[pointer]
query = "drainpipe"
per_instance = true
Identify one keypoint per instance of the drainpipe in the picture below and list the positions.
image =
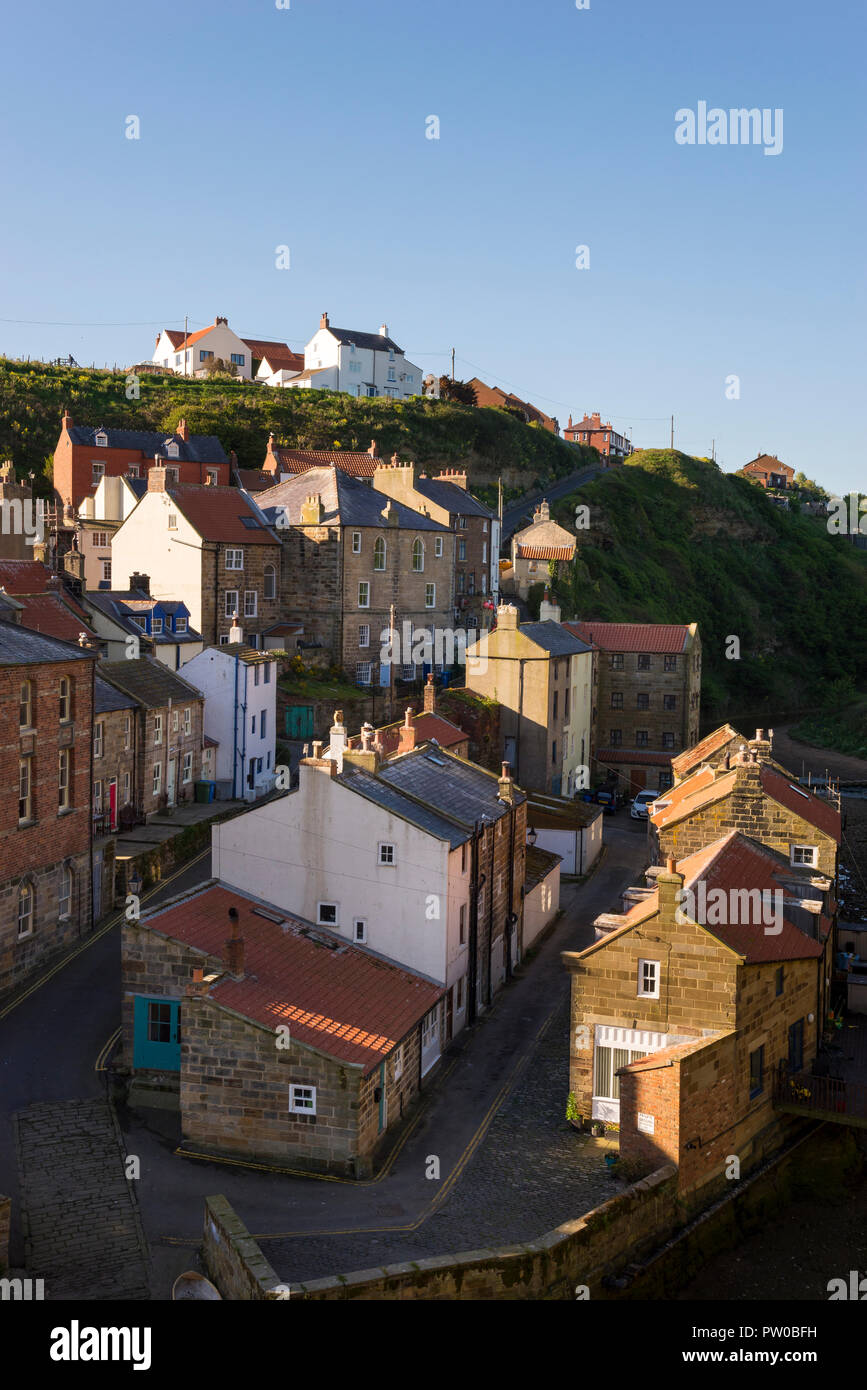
(235, 737)
(472, 973)
(511, 908)
(243, 726)
(89, 811)
(491, 916)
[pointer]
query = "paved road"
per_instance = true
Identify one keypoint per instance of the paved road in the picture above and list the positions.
(520, 511)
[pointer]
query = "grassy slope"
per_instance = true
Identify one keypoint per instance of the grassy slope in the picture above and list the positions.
(690, 543)
(438, 433)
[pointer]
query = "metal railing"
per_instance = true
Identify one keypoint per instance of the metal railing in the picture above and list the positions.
(826, 1095)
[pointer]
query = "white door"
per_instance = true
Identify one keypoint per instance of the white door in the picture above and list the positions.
(170, 783)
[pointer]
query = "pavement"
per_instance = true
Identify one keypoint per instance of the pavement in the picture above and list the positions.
(509, 1166)
(521, 510)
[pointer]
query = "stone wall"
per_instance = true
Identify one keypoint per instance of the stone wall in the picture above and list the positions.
(480, 719)
(232, 1258)
(5, 1225)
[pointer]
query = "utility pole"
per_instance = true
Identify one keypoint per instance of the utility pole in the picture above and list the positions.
(185, 345)
(453, 364)
(713, 450)
(672, 434)
(391, 663)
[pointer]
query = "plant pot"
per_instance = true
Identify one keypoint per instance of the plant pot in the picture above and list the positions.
(597, 1130)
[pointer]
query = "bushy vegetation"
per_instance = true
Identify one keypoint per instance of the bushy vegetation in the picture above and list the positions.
(242, 414)
(673, 539)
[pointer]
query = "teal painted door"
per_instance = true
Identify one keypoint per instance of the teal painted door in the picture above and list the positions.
(383, 1102)
(299, 721)
(157, 1034)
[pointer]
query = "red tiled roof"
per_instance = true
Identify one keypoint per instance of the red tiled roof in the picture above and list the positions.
(50, 614)
(426, 725)
(24, 576)
(216, 513)
(175, 336)
(194, 337)
(766, 463)
(343, 1001)
(545, 552)
(254, 479)
(633, 637)
(705, 748)
(699, 780)
(693, 794)
(812, 808)
(301, 460)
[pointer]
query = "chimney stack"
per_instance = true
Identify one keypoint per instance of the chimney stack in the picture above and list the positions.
(157, 476)
(373, 451)
(548, 612)
(669, 884)
(406, 742)
(236, 632)
(507, 616)
(367, 756)
(430, 695)
(337, 739)
(234, 948)
(66, 422)
(323, 322)
(182, 431)
(505, 785)
(312, 510)
(142, 582)
(383, 330)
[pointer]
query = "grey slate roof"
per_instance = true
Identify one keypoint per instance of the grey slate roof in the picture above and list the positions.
(199, 448)
(457, 499)
(553, 637)
(390, 799)
(363, 340)
(21, 646)
(107, 698)
(448, 784)
(152, 683)
(111, 601)
(348, 501)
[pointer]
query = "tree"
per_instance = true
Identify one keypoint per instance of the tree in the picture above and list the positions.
(460, 391)
(216, 366)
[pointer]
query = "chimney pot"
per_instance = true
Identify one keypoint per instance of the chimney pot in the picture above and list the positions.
(670, 865)
(317, 748)
(430, 695)
(323, 322)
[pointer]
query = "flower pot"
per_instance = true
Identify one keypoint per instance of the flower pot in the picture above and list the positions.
(597, 1129)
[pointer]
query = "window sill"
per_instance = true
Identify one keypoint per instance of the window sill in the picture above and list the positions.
(66, 810)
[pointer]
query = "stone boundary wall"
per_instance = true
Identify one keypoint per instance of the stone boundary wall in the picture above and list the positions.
(232, 1258)
(5, 1225)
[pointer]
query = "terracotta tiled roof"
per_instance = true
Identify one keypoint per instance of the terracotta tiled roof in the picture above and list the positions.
(24, 576)
(700, 779)
(49, 613)
(175, 336)
(812, 808)
(693, 794)
(697, 792)
(426, 725)
(633, 637)
(254, 479)
(216, 513)
(705, 748)
(336, 997)
(358, 465)
(766, 463)
(545, 552)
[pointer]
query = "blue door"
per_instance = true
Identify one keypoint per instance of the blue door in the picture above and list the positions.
(157, 1034)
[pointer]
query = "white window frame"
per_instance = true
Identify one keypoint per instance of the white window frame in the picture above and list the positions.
(386, 855)
(99, 738)
(319, 918)
(302, 1099)
(359, 937)
(97, 798)
(363, 673)
(460, 995)
(188, 722)
(25, 891)
(430, 595)
(364, 634)
(251, 610)
(356, 542)
(230, 608)
(417, 554)
(364, 584)
(158, 730)
(64, 777)
(269, 582)
(64, 893)
(188, 768)
(438, 547)
(397, 1071)
(157, 627)
(157, 779)
(643, 976)
(234, 559)
(172, 521)
(797, 853)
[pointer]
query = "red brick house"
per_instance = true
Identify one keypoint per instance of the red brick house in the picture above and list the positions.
(600, 435)
(769, 471)
(85, 454)
(280, 459)
(504, 400)
(46, 698)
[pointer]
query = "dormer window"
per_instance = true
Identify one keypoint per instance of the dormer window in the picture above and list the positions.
(102, 439)
(171, 449)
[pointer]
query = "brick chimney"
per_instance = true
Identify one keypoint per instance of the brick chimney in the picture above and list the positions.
(366, 757)
(142, 582)
(430, 695)
(323, 322)
(761, 746)
(456, 476)
(198, 986)
(406, 742)
(372, 450)
(507, 617)
(234, 948)
(390, 514)
(505, 785)
(312, 510)
(157, 478)
(182, 431)
(66, 422)
(337, 737)
(669, 883)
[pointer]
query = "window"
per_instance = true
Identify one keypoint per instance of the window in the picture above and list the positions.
(460, 995)
(270, 582)
(106, 571)
(224, 639)
(617, 699)
(125, 797)
(25, 790)
(362, 673)
(140, 622)
(642, 701)
(554, 753)
(484, 582)
(648, 978)
(234, 559)
(231, 597)
(804, 854)
(97, 798)
(462, 582)
(669, 663)
(430, 1028)
(364, 635)
(238, 358)
(462, 925)
(407, 671)
(669, 702)
(173, 474)
(615, 738)
(250, 602)
(266, 673)
(188, 767)
(438, 547)
(418, 556)
(359, 930)
(64, 893)
(172, 521)
(641, 738)
(25, 705)
(65, 699)
(204, 355)
(464, 858)
(615, 661)
(158, 730)
(213, 476)
(379, 554)
(100, 540)
(127, 731)
(471, 582)
(157, 778)
(356, 542)
(554, 709)
(462, 549)
(398, 1063)
(188, 722)
(263, 724)
(63, 779)
(256, 675)
(462, 522)
(156, 626)
(668, 740)
(387, 854)
(391, 374)
(363, 594)
(643, 661)
(327, 915)
(98, 740)
(97, 473)
(430, 595)
(778, 981)
(25, 910)
(302, 1100)
(253, 725)
(757, 1072)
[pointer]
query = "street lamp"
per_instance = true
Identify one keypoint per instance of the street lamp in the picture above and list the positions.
(532, 836)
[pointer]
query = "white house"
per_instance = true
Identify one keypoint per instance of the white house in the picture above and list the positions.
(99, 516)
(361, 364)
(385, 853)
(189, 355)
(240, 689)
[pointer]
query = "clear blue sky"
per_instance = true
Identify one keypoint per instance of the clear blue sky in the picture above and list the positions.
(306, 126)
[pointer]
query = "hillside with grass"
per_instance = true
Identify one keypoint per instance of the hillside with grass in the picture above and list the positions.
(440, 434)
(673, 539)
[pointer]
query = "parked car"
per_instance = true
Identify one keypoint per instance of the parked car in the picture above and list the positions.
(609, 800)
(638, 810)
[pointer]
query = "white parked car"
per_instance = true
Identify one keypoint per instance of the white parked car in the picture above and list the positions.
(638, 810)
